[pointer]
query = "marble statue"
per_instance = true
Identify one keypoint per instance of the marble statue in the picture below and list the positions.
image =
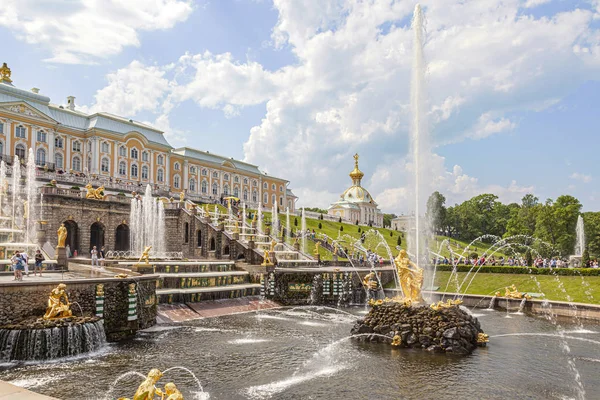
(62, 235)
(57, 309)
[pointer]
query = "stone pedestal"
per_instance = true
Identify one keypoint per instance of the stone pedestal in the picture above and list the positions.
(236, 236)
(61, 257)
(251, 245)
(296, 246)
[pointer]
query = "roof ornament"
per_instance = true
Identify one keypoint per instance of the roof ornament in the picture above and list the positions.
(5, 74)
(356, 174)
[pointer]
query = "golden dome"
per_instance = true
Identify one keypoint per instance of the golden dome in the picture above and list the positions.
(356, 173)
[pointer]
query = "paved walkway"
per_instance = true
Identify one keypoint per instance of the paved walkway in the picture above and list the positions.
(168, 313)
(12, 392)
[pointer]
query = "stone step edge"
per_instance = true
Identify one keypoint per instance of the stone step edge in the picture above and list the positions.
(202, 274)
(228, 288)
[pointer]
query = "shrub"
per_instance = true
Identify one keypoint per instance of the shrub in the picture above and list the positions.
(340, 220)
(359, 229)
(121, 194)
(320, 226)
(391, 234)
(523, 270)
(341, 228)
(529, 257)
(473, 255)
(75, 188)
(399, 241)
(585, 258)
(356, 223)
(296, 221)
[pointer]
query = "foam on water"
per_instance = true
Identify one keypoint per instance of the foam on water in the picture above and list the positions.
(248, 341)
(267, 316)
(312, 323)
(29, 383)
(268, 390)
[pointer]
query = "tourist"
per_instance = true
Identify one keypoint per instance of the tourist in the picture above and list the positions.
(15, 259)
(102, 256)
(94, 256)
(25, 258)
(68, 251)
(38, 262)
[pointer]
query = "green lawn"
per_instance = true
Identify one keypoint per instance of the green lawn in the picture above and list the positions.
(487, 284)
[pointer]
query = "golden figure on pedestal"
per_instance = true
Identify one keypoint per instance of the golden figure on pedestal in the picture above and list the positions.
(57, 309)
(145, 255)
(267, 259)
(512, 293)
(95, 194)
(273, 244)
(62, 236)
(5, 74)
(411, 277)
(317, 245)
(370, 281)
(181, 196)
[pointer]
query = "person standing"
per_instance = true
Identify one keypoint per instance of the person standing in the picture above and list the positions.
(25, 258)
(38, 262)
(102, 255)
(94, 256)
(15, 260)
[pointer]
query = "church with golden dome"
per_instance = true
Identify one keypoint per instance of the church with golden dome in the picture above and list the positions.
(356, 203)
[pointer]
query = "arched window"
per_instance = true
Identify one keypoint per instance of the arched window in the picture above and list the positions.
(104, 165)
(122, 168)
(273, 199)
(281, 200)
(236, 179)
(41, 136)
(204, 172)
(273, 186)
(193, 170)
(123, 151)
(216, 175)
(226, 190)
(1, 147)
(160, 175)
(76, 164)
(20, 132)
(176, 167)
(254, 196)
(58, 161)
(144, 172)
(134, 153)
(160, 159)
(76, 146)
(245, 181)
(215, 188)
(254, 183)
(265, 198)
(134, 171)
(176, 181)
(280, 188)
(40, 157)
(265, 185)
(236, 191)
(58, 142)
(89, 163)
(245, 194)
(144, 156)
(226, 177)
(204, 187)
(192, 185)
(20, 151)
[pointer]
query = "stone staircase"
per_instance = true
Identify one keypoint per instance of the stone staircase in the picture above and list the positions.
(190, 282)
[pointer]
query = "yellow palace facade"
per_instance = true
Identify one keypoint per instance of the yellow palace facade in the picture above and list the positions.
(124, 155)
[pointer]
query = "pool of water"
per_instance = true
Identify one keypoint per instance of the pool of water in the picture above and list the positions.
(302, 354)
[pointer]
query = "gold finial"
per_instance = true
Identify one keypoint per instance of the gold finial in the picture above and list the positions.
(5, 74)
(356, 174)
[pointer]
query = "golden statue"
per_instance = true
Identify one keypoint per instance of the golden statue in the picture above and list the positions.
(267, 259)
(62, 236)
(56, 309)
(181, 196)
(236, 229)
(411, 277)
(145, 255)
(317, 245)
(448, 304)
(90, 191)
(99, 193)
(396, 340)
(482, 339)
(512, 293)
(147, 389)
(5, 74)
(172, 392)
(273, 244)
(370, 281)
(335, 249)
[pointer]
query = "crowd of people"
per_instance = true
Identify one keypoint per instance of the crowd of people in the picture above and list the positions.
(20, 264)
(539, 262)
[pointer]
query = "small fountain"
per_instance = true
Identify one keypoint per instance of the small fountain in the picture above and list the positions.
(259, 226)
(575, 259)
(288, 228)
(304, 233)
(147, 216)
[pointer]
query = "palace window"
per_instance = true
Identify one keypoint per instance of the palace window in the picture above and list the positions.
(236, 179)
(76, 146)
(245, 181)
(145, 172)
(89, 163)
(122, 168)
(245, 194)
(204, 172)
(134, 171)
(40, 157)
(273, 187)
(280, 188)
(216, 175)
(236, 192)
(160, 159)
(160, 175)
(254, 183)
(1, 147)
(134, 153)
(192, 185)
(20, 132)
(76, 164)
(265, 198)
(176, 167)
(265, 185)
(58, 161)
(176, 181)
(273, 200)
(89, 145)
(105, 147)
(226, 190)
(20, 151)
(104, 165)
(226, 177)
(1, 128)
(145, 156)
(280, 200)
(254, 196)
(123, 151)
(58, 142)
(41, 136)
(215, 188)
(193, 170)
(204, 187)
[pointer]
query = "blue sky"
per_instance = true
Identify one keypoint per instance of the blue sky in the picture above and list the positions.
(299, 86)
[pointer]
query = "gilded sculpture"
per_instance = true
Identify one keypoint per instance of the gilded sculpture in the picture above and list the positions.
(5, 74)
(181, 196)
(370, 281)
(145, 255)
(95, 194)
(56, 308)
(411, 277)
(267, 259)
(273, 244)
(147, 389)
(62, 236)
(512, 293)
(448, 304)
(317, 245)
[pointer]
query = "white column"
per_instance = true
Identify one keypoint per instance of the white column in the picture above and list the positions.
(168, 171)
(68, 145)
(186, 173)
(8, 132)
(210, 193)
(221, 179)
(95, 155)
(115, 159)
(51, 146)
(151, 176)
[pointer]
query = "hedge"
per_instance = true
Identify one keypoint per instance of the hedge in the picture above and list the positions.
(490, 269)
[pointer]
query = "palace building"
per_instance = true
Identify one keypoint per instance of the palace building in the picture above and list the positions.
(73, 147)
(356, 203)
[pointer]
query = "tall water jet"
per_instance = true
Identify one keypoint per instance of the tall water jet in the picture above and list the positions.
(303, 226)
(288, 229)
(259, 218)
(147, 218)
(16, 189)
(243, 220)
(31, 193)
(419, 136)
(3, 184)
(579, 237)
(274, 221)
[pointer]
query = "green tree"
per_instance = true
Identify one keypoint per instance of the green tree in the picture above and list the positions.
(387, 220)
(316, 210)
(523, 217)
(528, 258)
(341, 228)
(591, 221)
(585, 258)
(320, 226)
(295, 221)
(399, 241)
(556, 221)
(436, 212)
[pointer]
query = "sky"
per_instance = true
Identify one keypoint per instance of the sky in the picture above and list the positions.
(299, 86)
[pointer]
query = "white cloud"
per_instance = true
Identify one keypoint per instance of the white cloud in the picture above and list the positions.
(83, 31)
(576, 176)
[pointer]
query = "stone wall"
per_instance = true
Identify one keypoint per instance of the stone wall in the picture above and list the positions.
(25, 300)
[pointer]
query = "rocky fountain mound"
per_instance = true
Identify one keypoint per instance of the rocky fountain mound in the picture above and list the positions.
(441, 328)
